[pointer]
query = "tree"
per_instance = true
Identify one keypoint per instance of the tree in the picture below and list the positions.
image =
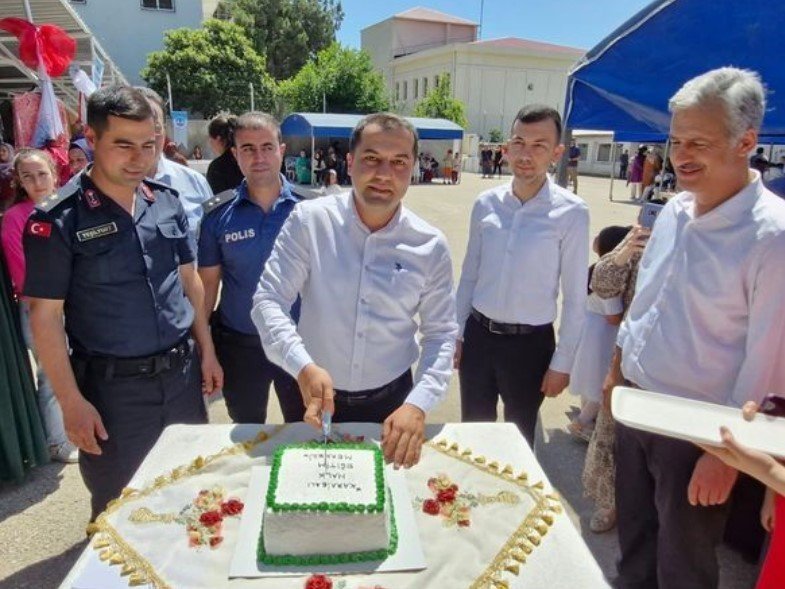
(344, 78)
(211, 70)
(287, 32)
(439, 104)
(495, 135)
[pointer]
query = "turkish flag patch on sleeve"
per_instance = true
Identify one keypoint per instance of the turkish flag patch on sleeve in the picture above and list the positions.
(39, 228)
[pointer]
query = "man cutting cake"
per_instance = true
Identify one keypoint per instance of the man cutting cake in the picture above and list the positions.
(370, 274)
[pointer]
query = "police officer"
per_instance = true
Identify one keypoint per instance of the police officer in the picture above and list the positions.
(112, 254)
(235, 240)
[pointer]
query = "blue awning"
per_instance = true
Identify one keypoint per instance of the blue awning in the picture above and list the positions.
(624, 83)
(339, 126)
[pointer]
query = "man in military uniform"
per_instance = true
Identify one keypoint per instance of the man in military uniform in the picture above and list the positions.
(112, 255)
(237, 235)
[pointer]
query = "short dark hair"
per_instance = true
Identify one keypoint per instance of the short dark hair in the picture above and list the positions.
(116, 101)
(222, 127)
(387, 121)
(257, 120)
(535, 113)
(151, 94)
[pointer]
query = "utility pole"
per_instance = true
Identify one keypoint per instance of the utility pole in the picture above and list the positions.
(324, 102)
(251, 85)
(169, 90)
(482, 12)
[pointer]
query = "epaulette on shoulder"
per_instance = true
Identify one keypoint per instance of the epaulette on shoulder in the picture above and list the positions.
(218, 200)
(160, 186)
(50, 202)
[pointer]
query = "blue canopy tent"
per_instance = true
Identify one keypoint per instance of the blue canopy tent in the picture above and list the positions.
(339, 126)
(624, 83)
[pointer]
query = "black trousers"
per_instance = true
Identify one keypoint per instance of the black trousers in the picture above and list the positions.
(512, 366)
(373, 405)
(665, 542)
(247, 378)
(134, 410)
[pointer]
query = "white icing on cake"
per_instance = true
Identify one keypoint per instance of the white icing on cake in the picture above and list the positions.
(349, 477)
(345, 476)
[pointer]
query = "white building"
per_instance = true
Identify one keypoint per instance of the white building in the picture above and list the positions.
(130, 29)
(494, 78)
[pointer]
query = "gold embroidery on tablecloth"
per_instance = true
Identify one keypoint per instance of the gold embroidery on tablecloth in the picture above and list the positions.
(528, 535)
(114, 550)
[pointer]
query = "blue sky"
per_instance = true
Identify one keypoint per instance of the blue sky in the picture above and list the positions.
(576, 23)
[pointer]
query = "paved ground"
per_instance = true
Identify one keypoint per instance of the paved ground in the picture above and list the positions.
(42, 521)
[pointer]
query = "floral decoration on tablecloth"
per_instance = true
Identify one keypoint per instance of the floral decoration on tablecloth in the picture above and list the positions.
(529, 533)
(202, 518)
(454, 505)
(325, 582)
(114, 550)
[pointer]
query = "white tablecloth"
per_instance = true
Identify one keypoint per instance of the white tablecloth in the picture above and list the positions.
(561, 561)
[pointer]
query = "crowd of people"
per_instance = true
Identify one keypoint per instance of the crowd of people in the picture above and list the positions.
(119, 275)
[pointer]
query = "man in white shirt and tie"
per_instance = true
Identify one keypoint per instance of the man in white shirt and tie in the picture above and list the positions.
(371, 274)
(526, 237)
(706, 323)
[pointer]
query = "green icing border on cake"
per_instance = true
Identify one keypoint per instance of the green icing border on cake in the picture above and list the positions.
(341, 507)
(330, 559)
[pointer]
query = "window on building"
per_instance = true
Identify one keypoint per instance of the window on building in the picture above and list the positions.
(416, 88)
(405, 90)
(584, 147)
(604, 152)
(397, 91)
(425, 86)
(158, 4)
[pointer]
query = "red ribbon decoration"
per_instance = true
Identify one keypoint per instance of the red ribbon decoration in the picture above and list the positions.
(57, 48)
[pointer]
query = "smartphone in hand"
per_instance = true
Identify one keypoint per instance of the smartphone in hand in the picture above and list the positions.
(649, 214)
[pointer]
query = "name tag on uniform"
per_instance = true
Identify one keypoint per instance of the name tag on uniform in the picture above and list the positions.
(96, 232)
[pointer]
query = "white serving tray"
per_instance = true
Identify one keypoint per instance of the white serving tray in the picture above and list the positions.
(696, 421)
(408, 557)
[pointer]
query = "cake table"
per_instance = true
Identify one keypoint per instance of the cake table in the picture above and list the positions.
(486, 514)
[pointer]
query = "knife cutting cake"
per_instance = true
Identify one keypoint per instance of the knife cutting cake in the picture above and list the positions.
(327, 504)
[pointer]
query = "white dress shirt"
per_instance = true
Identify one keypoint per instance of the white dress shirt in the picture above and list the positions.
(191, 187)
(361, 292)
(517, 255)
(708, 318)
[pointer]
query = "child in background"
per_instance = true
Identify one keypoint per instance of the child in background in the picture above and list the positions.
(35, 178)
(598, 338)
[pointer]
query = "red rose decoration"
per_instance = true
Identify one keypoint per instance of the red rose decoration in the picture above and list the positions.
(210, 518)
(232, 507)
(446, 495)
(215, 541)
(431, 507)
(319, 582)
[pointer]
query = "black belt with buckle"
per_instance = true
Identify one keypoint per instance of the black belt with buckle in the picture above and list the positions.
(141, 366)
(370, 396)
(498, 328)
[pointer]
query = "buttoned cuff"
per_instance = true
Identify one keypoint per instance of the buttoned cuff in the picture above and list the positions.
(297, 359)
(561, 362)
(422, 399)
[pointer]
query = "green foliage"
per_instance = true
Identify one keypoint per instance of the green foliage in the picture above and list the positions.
(345, 77)
(495, 135)
(439, 104)
(211, 70)
(287, 32)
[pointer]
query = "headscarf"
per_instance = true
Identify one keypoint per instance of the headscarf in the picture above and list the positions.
(82, 144)
(4, 166)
